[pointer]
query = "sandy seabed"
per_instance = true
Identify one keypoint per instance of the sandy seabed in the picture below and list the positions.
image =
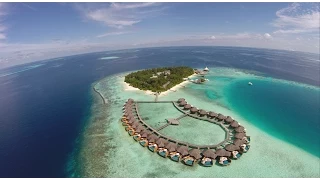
(108, 151)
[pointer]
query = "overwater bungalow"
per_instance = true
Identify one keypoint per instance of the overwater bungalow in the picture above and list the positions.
(130, 121)
(182, 103)
(247, 139)
(223, 157)
(131, 128)
(137, 133)
(221, 117)
(193, 110)
(244, 148)
(228, 120)
(239, 129)
(183, 151)
(127, 107)
(234, 124)
(212, 114)
(194, 156)
(240, 135)
(143, 138)
(152, 146)
(162, 150)
(238, 142)
(187, 107)
(181, 99)
(134, 129)
(130, 100)
(235, 150)
(172, 151)
(202, 112)
(208, 157)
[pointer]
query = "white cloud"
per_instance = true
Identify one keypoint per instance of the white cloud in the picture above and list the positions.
(119, 15)
(132, 5)
(267, 36)
(213, 37)
(2, 36)
(113, 33)
(3, 12)
(298, 18)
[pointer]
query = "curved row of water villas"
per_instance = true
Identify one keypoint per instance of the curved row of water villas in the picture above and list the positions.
(233, 124)
(182, 153)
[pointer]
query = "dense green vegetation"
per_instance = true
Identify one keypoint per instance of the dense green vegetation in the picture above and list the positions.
(144, 81)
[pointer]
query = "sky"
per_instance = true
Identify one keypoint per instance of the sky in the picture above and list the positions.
(37, 31)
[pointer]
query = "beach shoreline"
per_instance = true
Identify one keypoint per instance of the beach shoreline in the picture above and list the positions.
(128, 87)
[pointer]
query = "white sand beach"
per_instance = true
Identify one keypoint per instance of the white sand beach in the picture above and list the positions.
(175, 88)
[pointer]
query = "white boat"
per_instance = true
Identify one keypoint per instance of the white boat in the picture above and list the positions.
(250, 83)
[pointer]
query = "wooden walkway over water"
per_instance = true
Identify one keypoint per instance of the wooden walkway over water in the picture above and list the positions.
(185, 113)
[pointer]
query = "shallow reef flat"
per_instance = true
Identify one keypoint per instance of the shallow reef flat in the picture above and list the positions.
(108, 151)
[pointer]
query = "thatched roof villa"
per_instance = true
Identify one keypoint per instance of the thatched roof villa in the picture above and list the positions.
(193, 110)
(181, 99)
(229, 120)
(221, 117)
(208, 156)
(234, 124)
(202, 112)
(212, 114)
(239, 129)
(187, 107)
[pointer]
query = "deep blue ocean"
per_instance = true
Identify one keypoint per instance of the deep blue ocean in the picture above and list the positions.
(44, 105)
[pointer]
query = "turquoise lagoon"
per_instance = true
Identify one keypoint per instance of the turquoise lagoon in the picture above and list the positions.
(280, 116)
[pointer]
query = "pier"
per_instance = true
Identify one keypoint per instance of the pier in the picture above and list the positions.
(104, 101)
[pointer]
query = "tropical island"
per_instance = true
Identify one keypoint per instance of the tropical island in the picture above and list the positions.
(158, 79)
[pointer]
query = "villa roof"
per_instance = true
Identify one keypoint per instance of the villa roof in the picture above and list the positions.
(161, 142)
(221, 117)
(145, 133)
(182, 103)
(139, 128)
(239, 135)
(238, 142)
(232, 147)
(130, 100)
(202, 112)
(209, 153)
(181, 99)
(173, 121)
(187, 106)
(135, 124)
(212, 114)
(183, 150)
(128, 114)
(131, 120)
(229, 119)
(152, 138)
(239, 129)
(222, 152)
(194, 109)
(195, 153)
(172, 147)
(234, 124)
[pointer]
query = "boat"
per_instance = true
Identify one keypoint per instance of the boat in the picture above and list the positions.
(250, 83)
